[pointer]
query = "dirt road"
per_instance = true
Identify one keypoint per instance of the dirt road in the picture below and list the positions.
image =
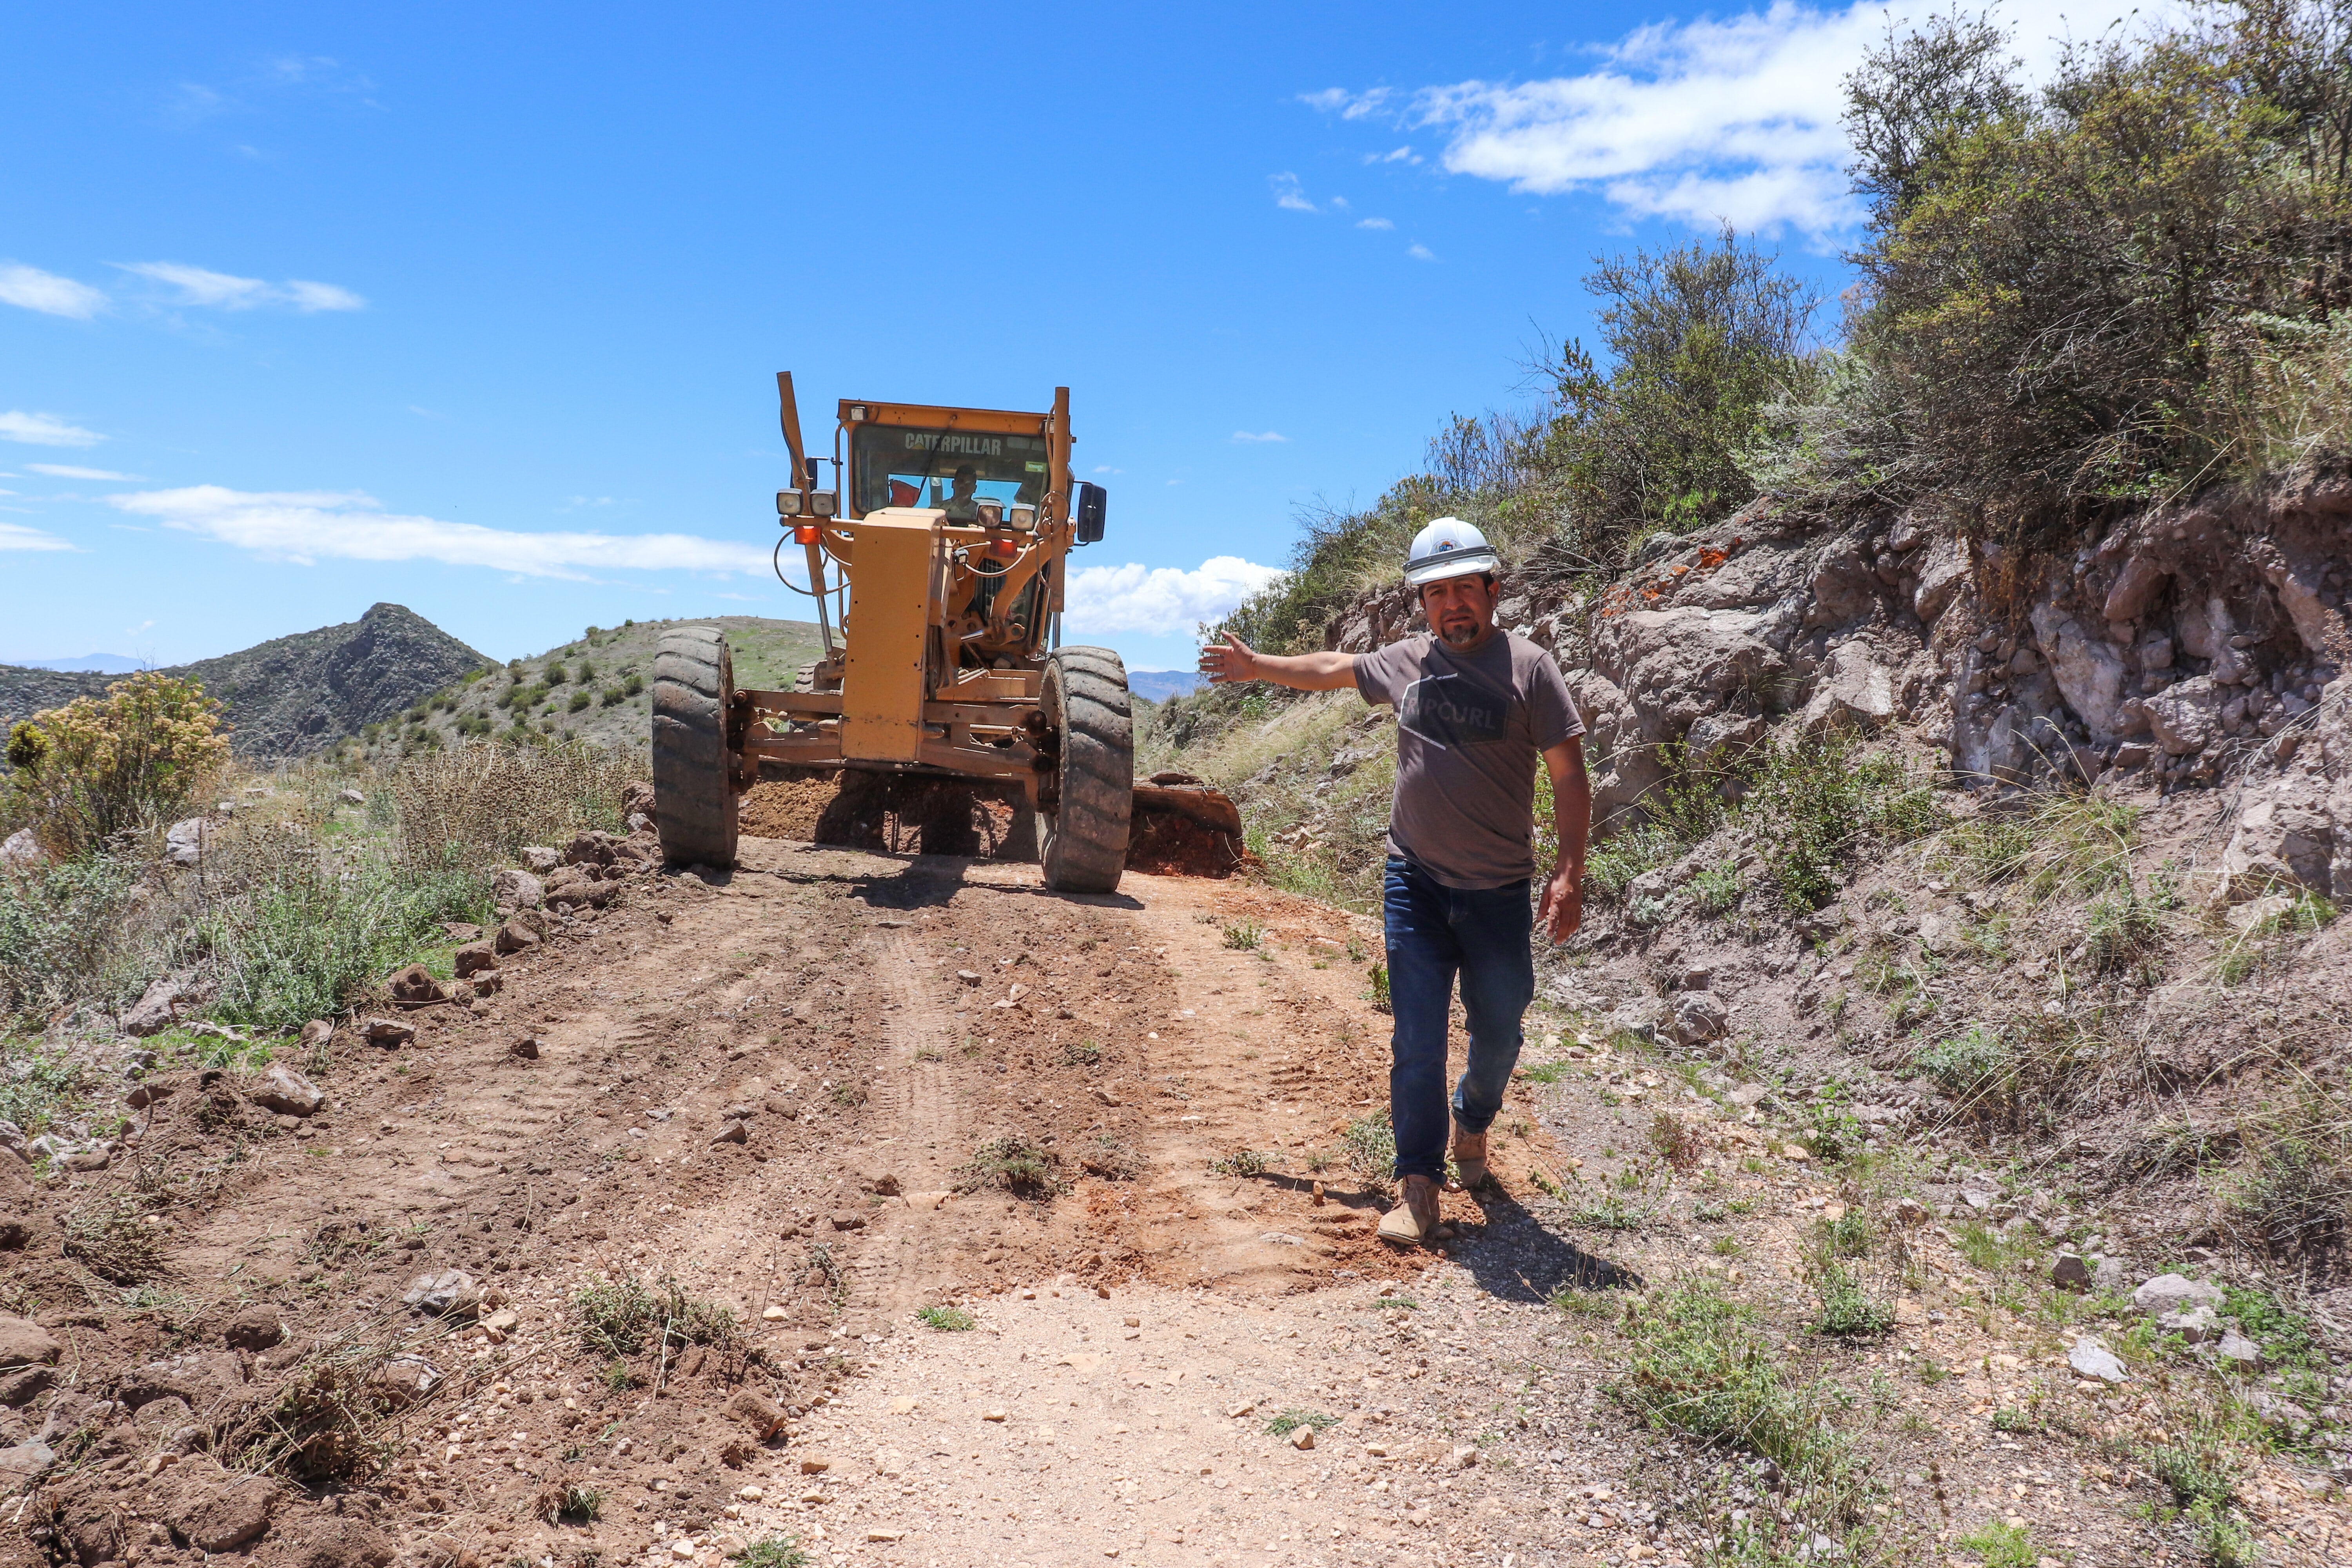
(1041, 1220)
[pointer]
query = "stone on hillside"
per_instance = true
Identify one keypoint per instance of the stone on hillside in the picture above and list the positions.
(186, 842)
(212, 1509)
(2236, 1350)
(590, 848)
(1698, 1017)
(527, 1048)
(352, 798)
(1640, 1016)
(255, 1328)
(282, 1089)
(2093, 1360)
(155, 1010)
(2073, 1271)
(516, 890)
(26, 1461)
(387, 1032)
(540, 858)
(2171, 1292)
(1720, 737)
(574, 886)
(2288, 837)
(732, 1132)
(24, 1342)
(1855, 693)
(317, 1033)
(416, 985)
(519, 935)
(474, 957)
(21, 849)
(2186, 716)
(2194, 1324)
(446, 1293)
(2245, 917)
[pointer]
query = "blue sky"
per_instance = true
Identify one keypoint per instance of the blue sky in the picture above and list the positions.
(478, 309)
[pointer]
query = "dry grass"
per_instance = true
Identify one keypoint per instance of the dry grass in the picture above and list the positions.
(109, 1235)
(481, 804)
(338, 1417)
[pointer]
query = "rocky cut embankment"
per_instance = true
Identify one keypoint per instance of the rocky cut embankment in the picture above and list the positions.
(2193, 645)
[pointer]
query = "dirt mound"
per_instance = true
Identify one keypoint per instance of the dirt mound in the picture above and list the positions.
(894, 813)
(1185, 829)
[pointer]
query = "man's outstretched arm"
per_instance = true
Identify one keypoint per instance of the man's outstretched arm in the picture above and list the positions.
(1562, 907)
(1236, 660)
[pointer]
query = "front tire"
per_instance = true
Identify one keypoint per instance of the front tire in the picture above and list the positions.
(694, 795)
(1085, 700)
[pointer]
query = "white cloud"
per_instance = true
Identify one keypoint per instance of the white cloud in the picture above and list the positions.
(1719, 119)
(48, 293)
(201, 286)
(306, 526)
(1374, 223)
(306, 296)
(68, 471)
(1267, 436)
(16, 536)
(43, 430)
(1288, 194)
(1420, 253)
(1161, 600)
(1107, 469)
(1347, 105)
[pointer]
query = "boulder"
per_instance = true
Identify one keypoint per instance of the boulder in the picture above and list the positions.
(2187, 716)
(1941, 576)
(352, 798)
(2173, 1292)
(2287, 836)
(416, 985)
(1640, 1016)
(186, 843)
(202, 1378)
(1698, 1017)
(590, 848)
(212, 1509)
(2194, 1324)
(255, 1328)
(2236, 1350)
(447, 1294)
(387, 1032)
(282, 1089)
(12, 1141)
(2088, 670)
(540, 858)
(575, 886)
(24, 1342)
(157, 1007)
(517, 889)
(25, 1462)
(2091, 1359)
(1855, 693)
(474, 957)
(20, 848)
(519, 934)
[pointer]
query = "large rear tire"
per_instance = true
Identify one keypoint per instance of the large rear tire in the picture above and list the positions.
(694, 796)
(1085, 699)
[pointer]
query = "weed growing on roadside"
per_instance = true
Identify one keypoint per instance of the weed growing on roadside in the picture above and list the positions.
(1998, 1545)
(1081, 1054)
(110, 1237)
(1242, 1162)
(1014, 1165)
(1370, 1144)
(1244, 934)
(948, 1319)
(572, 1503)
(621, 1318)
(774, 1551)
(1290, 1421)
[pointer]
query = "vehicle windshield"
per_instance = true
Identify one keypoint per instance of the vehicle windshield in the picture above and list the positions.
(951, 470)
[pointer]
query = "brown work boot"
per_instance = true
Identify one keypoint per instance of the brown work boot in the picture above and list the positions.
(1470, 1158)
(1415, 1220)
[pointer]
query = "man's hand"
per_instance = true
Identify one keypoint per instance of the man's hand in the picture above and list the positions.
(1236, 660)
(1562, 910)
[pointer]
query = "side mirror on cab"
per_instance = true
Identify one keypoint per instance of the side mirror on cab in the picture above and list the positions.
(1093, 502)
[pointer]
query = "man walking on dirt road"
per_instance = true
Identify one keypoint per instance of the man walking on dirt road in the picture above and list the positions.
(1476, 708)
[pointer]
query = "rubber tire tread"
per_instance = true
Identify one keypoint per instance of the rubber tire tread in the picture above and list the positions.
(693, 804)
(1085, 844)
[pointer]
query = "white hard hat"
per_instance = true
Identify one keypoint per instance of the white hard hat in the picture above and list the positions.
(1448, 547)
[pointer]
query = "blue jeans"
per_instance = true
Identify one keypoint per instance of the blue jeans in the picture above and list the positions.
(1433, 932)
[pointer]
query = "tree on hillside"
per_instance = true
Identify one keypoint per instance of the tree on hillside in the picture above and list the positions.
(1695, 339)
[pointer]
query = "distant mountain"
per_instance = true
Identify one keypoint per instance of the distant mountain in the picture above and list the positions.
(1159, 685)
(98, 663)
(292, 694)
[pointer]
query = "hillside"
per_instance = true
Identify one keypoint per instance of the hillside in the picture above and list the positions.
(290, 695)
(594, 690)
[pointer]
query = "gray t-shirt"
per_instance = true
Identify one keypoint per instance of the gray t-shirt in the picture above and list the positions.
(1471, 730)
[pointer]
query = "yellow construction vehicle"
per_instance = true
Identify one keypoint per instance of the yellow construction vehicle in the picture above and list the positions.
(938, 562)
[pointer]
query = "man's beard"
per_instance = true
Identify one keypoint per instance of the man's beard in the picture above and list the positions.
(1459, 634)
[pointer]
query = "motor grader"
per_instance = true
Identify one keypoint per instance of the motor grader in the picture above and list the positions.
(937, 560)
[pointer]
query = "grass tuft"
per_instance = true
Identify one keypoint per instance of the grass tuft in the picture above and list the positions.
(946, 1319)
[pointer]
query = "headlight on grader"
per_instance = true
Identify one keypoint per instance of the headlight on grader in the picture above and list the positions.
(789, 503)
(1022, 519)
(824, 503)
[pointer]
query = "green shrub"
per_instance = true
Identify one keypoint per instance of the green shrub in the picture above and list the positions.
(1976, 1067)
(774, 1551)
(1815, 805)
(1014, 1165)
(946, 1319)
(1370, 1143)
(625, 1317)
(99, 767)
(579, 700)
(61, 937)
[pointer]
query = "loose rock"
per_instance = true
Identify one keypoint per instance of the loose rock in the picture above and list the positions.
(282, 1089)
(387, 1032)
(527, 1048)
(450, 1292)
(215, 1511)
(24, 1342)
(256, 1328)
(517, 889)
(2171, 1292)
(2092, 1359)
